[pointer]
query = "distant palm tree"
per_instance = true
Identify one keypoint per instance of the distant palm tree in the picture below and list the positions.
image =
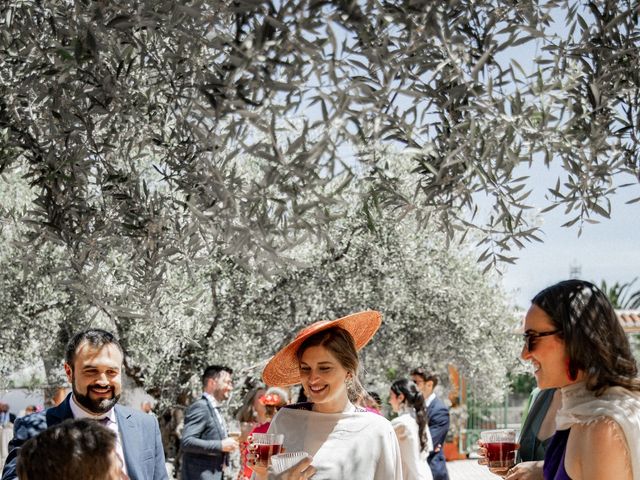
(621, 296)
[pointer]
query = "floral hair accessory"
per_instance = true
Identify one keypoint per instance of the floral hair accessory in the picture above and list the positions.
(271, 399)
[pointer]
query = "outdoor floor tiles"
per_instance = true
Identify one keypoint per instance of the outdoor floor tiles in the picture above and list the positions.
(469, 470)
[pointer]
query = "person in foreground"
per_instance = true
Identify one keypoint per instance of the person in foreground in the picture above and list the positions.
(345, 442)
(72, 450)
(411, 429)
(93, 364)
(575, 342)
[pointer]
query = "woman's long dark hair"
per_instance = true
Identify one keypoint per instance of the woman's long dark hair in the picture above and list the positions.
(414, 398)
(246, 412)
(594, 340)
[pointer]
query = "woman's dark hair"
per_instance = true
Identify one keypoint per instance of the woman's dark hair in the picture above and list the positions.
(594, 340)
(340, 343)
(246, 412)
(414, 398)
(373, 400)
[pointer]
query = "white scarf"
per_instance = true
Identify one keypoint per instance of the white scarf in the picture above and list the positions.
(581, 406)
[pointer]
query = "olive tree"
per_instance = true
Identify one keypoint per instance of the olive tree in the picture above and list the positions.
(90, 91)
(173, 151)
(438, 307)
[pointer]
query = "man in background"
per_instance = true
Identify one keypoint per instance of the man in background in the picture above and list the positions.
(205, 442)
(93, 364)
(438, 415)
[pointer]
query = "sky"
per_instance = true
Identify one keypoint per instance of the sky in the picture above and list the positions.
(607, 251)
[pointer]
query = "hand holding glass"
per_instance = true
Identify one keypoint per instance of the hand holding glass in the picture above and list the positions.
(501, 447)
(264, 445)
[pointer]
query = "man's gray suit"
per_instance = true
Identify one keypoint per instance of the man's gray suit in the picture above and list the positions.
(203, 458)
(139, 433)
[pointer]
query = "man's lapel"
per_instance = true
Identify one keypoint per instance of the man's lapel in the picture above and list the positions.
(60, 413)
(127, 430)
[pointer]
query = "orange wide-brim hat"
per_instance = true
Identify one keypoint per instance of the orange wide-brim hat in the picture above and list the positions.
(283, 368)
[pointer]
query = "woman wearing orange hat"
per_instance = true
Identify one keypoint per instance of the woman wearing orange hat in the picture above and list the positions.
(343, 441)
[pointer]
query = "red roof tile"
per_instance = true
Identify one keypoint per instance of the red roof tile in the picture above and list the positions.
(630, 320)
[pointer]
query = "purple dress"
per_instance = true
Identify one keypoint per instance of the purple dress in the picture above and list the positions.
(554, 456)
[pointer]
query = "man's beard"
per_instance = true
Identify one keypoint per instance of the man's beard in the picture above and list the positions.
(98, 406)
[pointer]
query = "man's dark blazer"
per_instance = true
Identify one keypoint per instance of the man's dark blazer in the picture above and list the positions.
(438, 415)
(202, 435)
(139, 433)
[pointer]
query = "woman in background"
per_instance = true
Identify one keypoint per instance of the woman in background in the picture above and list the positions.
(411, 427)
(251, 413)
(273, 399)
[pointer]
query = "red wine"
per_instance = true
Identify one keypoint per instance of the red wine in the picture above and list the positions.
(265, 451)
(501, 454)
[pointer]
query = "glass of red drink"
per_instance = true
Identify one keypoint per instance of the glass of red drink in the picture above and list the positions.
(501, 447)
(264, 445)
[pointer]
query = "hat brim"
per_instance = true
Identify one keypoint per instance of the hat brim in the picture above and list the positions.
(283, 370)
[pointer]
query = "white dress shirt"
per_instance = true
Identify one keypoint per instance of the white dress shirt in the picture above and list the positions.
(216, 408)
(112, 424)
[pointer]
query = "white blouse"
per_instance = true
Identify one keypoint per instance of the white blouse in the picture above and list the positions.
(581, 406)
(414, 461)
(345, 446)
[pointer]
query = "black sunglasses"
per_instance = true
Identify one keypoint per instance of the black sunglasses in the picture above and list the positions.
(530, 338)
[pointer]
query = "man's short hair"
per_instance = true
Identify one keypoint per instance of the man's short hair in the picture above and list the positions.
(76, 449)
(95, 337)
(426, 376)
(214, 371)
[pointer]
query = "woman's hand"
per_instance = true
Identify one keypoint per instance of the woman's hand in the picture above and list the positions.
(300, 471)
(252, 460)
(526, 471)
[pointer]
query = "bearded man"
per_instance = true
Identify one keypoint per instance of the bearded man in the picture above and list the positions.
(93, 364)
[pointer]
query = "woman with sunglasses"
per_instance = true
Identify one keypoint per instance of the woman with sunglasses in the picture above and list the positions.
(575, 342)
